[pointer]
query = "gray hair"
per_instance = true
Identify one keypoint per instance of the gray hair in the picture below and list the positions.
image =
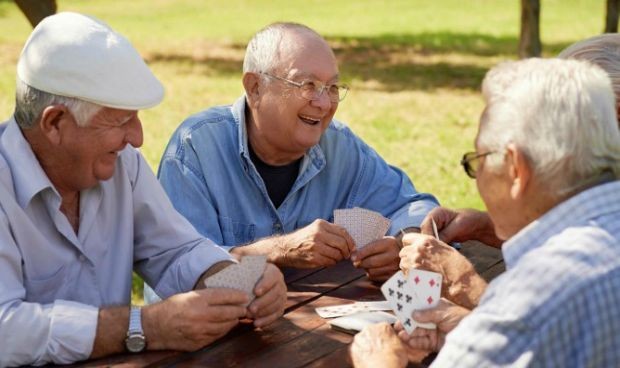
(30, 103)
(560, 113)
(602, 50)
(266, 48)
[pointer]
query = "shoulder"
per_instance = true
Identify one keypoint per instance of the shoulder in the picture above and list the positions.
(340, 139)
(213, 124)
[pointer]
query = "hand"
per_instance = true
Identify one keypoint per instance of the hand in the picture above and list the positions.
(461, 284)
(445, 315)
(378, 346)
(319, 244)
(379, 258)
(270, 299)
(192, 320)
(461, 225)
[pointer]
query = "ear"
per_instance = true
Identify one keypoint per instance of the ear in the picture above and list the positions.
(52, 119)
(251, 84)
(519, 171)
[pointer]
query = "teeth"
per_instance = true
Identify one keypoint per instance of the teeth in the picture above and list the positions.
(310, 118)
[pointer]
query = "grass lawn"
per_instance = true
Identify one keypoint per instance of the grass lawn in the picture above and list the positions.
(414, 66)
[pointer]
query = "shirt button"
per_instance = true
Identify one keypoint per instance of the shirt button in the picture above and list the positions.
(81, 258)
(277, 228)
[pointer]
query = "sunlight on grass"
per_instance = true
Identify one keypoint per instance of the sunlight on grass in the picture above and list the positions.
(415, 66)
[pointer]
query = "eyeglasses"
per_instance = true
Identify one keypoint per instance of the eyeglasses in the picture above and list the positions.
(471, 163)
(311, 90)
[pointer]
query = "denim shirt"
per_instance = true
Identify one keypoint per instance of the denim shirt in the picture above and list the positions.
(209, 176)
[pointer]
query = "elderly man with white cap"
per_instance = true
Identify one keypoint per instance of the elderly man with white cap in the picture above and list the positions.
(81, 209)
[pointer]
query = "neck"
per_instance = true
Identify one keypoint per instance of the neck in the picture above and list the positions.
(265, 151)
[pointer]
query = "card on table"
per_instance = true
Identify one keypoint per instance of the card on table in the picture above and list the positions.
(364, 226)
(352, 308)
(417, 290)
(241, 276)
(354, 323)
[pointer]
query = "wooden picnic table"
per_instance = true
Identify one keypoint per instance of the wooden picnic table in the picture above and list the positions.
(300, 338)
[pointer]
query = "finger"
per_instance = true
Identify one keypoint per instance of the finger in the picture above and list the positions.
(381, 273)
(266, 304)
(224, 313)
(337, 241)
(223, 296)
(270, 278)
(267, 320)
(387, 257)
(433, 315)
(344, 234)
(218, 329)
(378, 246)
(326, 251)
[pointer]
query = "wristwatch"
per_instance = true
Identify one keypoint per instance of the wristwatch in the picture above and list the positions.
(135, 341)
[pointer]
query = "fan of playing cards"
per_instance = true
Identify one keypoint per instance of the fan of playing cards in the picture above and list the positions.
(417, 290)
(242, 276)
(364, 226)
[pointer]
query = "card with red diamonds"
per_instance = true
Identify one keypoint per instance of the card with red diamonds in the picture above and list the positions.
(408, 293)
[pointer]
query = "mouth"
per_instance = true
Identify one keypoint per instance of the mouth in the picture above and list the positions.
(309, 120)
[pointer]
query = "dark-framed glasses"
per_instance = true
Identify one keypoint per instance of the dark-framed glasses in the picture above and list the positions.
(471, 162)
(312, 90)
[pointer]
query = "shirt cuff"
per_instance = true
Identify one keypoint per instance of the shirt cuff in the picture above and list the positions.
(410, 216)
(73, 329)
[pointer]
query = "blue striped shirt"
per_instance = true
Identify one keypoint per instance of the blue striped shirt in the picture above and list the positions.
(558, 303)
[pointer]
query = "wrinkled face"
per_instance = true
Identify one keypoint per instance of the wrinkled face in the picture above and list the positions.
(494, 188)
(285, 121)
(89, 153)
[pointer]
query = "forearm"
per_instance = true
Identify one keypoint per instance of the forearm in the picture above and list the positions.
(273, 247)
(112, 325)
(467, 290)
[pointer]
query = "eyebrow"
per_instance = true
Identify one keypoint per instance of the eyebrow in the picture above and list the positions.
(312, 76)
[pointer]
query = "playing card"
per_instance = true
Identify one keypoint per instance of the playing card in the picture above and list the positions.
(242, 276)
(351, 308)
(364, 226)
(415, 291)
(354, 323)
(427, 286)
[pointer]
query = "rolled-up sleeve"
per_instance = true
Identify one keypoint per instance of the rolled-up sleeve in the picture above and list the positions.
(35, 334)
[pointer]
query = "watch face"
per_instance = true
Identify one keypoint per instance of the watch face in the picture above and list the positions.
(135, 343)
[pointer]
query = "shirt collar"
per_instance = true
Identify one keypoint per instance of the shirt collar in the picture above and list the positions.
(28, 175)
(314, 154)
(578, 209)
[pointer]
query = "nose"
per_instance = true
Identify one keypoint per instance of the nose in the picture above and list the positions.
(323, 101)
(133, 132)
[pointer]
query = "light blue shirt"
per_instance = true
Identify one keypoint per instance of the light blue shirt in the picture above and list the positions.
(52, 281)
(209, 176)
(558, 303)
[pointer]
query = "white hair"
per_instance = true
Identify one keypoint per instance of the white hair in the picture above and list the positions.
(30, 103)
(602, 50)
(560, 113)
(266, 48)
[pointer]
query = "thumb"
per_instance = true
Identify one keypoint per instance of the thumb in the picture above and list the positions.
(426, 316)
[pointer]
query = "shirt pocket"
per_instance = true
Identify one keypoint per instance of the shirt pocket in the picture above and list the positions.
(235, 232)
(46, 289)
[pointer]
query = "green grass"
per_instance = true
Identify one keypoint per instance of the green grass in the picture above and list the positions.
(415, 66)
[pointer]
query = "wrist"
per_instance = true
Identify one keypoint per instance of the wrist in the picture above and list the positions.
(150, 325)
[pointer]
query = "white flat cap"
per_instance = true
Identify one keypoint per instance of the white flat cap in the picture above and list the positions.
(74, 55)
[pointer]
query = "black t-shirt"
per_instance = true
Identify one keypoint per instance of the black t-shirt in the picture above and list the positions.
(278, 179)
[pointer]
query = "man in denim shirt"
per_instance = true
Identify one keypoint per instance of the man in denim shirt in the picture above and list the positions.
(264, 175)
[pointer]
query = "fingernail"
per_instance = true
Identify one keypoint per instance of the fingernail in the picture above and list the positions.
(354, 257)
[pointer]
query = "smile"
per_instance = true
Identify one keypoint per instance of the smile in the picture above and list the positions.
(309, 120)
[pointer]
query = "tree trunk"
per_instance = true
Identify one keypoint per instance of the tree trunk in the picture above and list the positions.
(529, 43)
(36, 10)
(611, 18)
